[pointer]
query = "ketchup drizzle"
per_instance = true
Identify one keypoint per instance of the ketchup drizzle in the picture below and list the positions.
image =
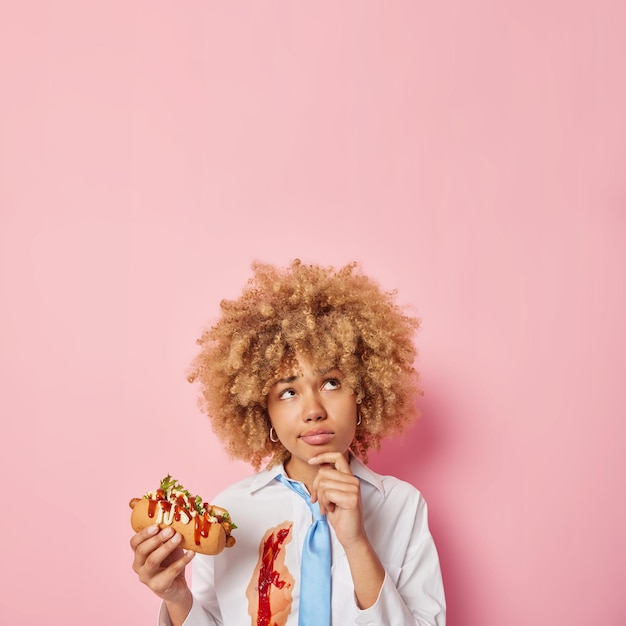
(268, 576)
(201, 528)
(202, 521)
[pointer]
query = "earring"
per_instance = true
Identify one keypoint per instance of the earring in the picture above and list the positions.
(359, 420)
(272, 435)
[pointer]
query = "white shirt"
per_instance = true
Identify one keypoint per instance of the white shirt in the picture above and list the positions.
(395, 518)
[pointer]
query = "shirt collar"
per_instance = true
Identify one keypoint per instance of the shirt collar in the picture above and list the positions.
(265, 477)
(360, 470)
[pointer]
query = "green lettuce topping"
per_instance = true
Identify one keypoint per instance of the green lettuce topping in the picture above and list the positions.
(169, 484)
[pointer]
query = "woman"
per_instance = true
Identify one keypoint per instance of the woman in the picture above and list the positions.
(306, 371)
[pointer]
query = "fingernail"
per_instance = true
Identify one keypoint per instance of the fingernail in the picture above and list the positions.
(176, 538)
(167, 532)
(152, 529)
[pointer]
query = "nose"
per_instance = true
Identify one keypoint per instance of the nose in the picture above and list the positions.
(314, 410)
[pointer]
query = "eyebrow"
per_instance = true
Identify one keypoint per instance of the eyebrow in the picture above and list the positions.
(286, 381)
(291, 379)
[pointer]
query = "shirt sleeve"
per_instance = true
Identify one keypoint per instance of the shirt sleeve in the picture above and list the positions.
(197, 616)
(416, 596)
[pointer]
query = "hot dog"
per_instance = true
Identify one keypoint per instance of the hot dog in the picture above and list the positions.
(205, 528)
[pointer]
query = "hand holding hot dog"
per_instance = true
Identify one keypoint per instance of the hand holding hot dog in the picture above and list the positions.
(160, 562)
(168, 521)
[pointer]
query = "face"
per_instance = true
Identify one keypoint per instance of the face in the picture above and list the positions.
(312, 411)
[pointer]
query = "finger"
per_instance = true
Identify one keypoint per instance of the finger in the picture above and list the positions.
(327, 477)
(328, 463)
(326, 509)
(336, 489)
(144, 546)
(144, 543)
(145, 533)
(332, 499)
(162, 582)
(335, 459)
(152, 552)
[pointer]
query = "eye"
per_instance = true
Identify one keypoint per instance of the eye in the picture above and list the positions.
(331, 383)
(286, 394)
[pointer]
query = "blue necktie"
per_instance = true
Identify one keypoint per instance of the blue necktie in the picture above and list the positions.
(315, 569)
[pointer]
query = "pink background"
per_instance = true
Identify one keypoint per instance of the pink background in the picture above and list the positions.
(469, 154)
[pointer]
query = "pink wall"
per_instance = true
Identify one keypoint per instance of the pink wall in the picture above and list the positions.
(470, 154)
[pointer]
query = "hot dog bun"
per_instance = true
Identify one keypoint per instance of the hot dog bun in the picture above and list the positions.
(204, 528)
(213, 543)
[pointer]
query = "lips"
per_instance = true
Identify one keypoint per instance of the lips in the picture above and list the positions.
(317, 437)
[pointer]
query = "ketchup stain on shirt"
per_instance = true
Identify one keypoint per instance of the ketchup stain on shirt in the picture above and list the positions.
(270, 588)
(268, 576)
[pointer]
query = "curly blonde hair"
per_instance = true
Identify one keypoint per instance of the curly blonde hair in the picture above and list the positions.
(332, 318)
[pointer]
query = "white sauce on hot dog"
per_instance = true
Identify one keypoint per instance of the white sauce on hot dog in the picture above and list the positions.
(168, 509)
